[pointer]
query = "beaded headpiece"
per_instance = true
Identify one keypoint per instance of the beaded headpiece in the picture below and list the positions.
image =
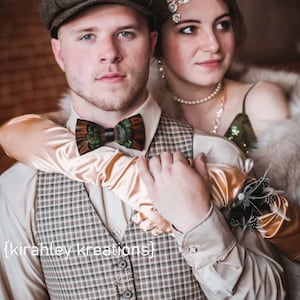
(173, 6)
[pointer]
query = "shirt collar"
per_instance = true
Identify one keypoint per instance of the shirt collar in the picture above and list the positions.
(150, 112)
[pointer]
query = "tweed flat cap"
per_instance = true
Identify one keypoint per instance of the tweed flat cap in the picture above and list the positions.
(55, 12)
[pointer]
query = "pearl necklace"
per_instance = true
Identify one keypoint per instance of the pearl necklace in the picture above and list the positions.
(202, 100)
(219, 114)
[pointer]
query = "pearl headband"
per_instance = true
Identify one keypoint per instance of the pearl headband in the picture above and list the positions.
(173, 6)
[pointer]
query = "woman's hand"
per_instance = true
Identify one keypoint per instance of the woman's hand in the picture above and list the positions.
(180, 193)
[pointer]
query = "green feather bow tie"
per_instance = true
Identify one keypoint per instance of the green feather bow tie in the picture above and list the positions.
(129, 133)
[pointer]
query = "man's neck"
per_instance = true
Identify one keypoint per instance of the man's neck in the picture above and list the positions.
(90, 112)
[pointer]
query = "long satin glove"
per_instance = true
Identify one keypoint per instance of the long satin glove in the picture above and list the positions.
(42, 144)
(106, 167)
(282, 227)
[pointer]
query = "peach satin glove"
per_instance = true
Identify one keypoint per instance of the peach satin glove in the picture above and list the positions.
(21, 137)
(283, 228)
(40, 143)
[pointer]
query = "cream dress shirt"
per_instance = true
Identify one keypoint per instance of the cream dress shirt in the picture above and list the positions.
(236, 266)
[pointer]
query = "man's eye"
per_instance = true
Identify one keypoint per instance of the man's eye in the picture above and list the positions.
(87, 37)
(125, 34)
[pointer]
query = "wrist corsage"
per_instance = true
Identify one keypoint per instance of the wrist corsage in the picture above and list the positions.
(255, 199)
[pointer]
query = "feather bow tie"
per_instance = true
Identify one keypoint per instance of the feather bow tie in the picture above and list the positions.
(129, 133)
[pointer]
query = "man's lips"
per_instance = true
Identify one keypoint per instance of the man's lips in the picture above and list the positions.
(111, 77)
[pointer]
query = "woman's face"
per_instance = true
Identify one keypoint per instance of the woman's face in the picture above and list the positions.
(199, 49)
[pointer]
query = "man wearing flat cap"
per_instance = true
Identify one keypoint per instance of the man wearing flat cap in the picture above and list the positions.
(63, 239)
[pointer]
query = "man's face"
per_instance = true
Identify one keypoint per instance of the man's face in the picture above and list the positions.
(105, 54)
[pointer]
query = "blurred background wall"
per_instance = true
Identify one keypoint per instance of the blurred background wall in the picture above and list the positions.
(273, 32)
(30, 80)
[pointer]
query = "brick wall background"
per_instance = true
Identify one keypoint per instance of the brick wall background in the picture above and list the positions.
(30, 80)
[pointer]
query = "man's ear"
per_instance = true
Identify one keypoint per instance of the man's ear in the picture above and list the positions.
(153, 41)
(57, 51)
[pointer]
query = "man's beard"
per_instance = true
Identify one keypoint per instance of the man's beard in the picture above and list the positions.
(113, 101)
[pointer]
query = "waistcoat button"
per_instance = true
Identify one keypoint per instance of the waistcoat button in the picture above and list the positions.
(127, 294)
(122, 264)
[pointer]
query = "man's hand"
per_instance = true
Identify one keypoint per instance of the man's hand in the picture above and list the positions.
(180, 193)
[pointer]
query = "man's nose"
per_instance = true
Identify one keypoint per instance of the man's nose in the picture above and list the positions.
(109, 51)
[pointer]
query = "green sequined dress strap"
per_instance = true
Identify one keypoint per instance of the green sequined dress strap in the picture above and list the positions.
(241, 131)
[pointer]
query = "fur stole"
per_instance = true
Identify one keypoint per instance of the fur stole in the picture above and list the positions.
(278, 151)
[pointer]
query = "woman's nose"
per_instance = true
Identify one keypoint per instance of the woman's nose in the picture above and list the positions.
(210, 42)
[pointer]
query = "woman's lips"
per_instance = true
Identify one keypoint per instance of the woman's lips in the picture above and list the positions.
(212, 63)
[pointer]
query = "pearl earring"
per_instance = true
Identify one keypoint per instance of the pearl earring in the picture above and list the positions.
(161, 68)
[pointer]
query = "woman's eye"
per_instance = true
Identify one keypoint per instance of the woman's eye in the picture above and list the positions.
(187, 30)
(224, 25)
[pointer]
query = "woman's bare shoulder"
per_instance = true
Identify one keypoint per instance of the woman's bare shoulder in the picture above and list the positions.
(268, 99)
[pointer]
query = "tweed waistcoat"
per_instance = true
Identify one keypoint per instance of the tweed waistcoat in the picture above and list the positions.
(82, 260)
